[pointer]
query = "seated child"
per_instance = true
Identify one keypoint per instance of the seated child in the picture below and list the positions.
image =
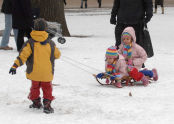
(135, 56)
(115, 67)
(39, 53)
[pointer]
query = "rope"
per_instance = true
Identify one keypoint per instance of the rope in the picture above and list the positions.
(82, 64)
(75, 65)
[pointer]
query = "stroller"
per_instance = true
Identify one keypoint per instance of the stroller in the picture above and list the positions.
(55, 30)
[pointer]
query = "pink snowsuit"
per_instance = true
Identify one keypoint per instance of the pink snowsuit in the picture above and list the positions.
(139, 55)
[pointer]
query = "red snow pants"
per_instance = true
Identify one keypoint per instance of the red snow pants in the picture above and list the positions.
(35, 90)
(135, 74)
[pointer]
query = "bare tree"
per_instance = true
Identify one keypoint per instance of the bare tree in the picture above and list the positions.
(52, 10)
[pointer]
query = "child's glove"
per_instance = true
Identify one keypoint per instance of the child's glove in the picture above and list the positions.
(112, 77)
(100, 75)
(13, 69)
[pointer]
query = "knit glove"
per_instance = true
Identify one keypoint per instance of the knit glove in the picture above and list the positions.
(13, 69)
(100, 75)
(112, 77)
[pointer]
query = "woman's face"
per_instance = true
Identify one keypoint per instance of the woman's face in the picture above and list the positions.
(127, 40)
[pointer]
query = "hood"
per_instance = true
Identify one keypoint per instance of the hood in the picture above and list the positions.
(39, 36)
(131, 31)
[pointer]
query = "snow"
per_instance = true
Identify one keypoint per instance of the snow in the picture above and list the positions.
(79, 98)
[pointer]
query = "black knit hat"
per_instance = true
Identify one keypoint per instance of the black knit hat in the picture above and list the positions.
(40, 24)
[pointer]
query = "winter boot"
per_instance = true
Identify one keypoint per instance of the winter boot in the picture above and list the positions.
(155, 74)
(145, 80)
(155, 10)
(162, 10)
(47, 106)
(36, 104)
(107, 81)
(118, 85)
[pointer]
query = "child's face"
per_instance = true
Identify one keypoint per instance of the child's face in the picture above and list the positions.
(127, 40)
(110, 60)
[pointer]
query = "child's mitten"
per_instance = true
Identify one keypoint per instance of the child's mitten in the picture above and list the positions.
(100, 75)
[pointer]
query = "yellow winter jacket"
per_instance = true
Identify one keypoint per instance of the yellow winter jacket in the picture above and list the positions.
(42, 69)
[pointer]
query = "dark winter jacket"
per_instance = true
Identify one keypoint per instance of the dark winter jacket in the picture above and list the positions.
(132, 11)
(159, 2)
(6, 7)
(21, 14)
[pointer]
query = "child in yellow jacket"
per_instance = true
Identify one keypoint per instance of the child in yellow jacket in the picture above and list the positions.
(39, 53)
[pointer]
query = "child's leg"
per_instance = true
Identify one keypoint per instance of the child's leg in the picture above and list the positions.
(135, 74)
(47, 90)
(147, 73)
(47, 95)
(34, 90)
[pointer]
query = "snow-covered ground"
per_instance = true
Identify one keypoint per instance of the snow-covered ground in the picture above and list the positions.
(79, 98)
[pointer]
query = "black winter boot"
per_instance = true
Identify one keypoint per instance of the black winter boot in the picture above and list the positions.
(47, 106)
(36, 104)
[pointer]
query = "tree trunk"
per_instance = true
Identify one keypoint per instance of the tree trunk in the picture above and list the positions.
(52, 10)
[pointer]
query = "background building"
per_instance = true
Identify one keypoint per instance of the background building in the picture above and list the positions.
(105, 3)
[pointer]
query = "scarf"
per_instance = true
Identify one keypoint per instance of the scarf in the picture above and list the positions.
(110, 69)
(127, 51)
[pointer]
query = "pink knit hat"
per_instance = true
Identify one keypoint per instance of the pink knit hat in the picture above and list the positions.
(129, 31)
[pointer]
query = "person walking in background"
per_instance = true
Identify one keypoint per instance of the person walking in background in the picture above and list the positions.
(130, 13)
(64, 2)
(159, 2)
(85, 3)
(99, 3)
(22, 20)
(7, 10)
(39, 53)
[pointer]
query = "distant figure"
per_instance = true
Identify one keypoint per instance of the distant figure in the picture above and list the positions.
(64, 2)
(159, 2)
(7, 10)
(85, 3)
(99, 3)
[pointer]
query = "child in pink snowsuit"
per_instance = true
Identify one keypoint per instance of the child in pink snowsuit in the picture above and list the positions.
(115, 67)
(135, 56)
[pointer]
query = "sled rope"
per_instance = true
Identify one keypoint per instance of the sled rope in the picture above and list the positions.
(71, 63)
(75, 65)
(82, 64)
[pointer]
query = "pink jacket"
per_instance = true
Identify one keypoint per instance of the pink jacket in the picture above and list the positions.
(139, 55)
(121, 66)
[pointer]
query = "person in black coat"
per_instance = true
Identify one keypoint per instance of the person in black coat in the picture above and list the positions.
(130, 13)
(22, 20)
(159, 2)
